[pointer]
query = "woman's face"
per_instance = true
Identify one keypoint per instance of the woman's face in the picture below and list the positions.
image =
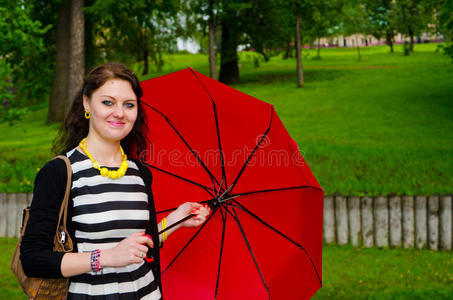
(113, 109)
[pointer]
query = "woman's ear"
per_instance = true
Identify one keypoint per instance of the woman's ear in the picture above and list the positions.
(86, 103)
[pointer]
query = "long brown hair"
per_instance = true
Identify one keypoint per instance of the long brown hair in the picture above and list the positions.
(75, 126)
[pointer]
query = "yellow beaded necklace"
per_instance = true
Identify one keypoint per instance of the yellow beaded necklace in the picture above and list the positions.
(104, 171)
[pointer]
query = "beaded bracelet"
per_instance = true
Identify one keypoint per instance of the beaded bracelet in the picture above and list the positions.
(94, 260)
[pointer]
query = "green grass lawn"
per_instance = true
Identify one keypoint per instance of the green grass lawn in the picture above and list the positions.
(380, 126)
(348, 273)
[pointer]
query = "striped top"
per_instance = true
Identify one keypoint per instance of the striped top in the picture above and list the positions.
(105, 211)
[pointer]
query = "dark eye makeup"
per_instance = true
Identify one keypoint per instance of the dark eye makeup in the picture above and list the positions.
(107, 102)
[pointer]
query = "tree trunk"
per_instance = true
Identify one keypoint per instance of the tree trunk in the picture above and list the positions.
(91, 57)
(407, 50)
(59, 94)
(300, 70)
(358, 48)
(229, 69)
(318, 56)
(145, 60)
(77, 49)
(411, 40)
(406, 46)
(389, 40)
(288, 51)
(211, 39)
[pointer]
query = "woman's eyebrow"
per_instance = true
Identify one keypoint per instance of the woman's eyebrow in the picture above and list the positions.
(116, 99)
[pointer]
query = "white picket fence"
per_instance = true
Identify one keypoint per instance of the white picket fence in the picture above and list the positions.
(407, 221)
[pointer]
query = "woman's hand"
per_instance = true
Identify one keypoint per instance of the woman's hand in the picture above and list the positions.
(131, 250)
(200, 211)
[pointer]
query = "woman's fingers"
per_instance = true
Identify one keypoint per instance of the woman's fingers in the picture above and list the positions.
(201, 212)
(149, 242)
(137, 234)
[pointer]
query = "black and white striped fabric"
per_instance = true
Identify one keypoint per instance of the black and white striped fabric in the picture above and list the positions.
(106, 211)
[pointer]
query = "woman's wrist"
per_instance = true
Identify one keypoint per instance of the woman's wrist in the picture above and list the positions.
(171, 219)
(104, 259)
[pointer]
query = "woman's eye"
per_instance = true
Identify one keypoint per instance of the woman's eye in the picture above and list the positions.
(129, 105)
(107, 102)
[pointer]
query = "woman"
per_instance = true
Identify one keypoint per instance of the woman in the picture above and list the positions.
(111, 204)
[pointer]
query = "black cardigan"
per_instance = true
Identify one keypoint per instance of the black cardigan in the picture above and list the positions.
(37, 255)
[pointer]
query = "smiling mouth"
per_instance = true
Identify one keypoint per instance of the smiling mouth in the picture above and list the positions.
(116, 124)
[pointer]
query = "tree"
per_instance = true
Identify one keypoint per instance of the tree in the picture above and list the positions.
(323, 21)
(305, 21)
(211, 35)
(380, 14)
(446, 25)
(201, 20)
(70, 58)
(355, 21)
(59, 95)
(21, 49)
(257, 24)
(412, 18)
(135, 30)
(300, 70)
(76, 49)
(229, 69)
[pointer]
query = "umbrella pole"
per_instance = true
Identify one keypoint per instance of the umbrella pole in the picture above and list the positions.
(176, 223)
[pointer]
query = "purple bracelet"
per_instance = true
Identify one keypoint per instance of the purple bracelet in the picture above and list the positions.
(94, 260)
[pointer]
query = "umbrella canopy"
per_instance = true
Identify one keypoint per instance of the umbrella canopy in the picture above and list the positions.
(210, 143)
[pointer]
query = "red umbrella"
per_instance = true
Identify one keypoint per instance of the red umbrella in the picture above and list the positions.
(210, 143)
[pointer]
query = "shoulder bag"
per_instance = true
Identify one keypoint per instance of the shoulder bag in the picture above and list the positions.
(47, 288)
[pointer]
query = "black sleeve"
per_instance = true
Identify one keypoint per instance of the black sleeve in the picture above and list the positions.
(37, 255)
(152, 229)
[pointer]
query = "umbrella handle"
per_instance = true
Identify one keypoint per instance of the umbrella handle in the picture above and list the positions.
(151, 259)
(176, 223)
(148, 259)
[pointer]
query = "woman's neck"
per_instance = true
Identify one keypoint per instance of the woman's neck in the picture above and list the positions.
(106, 152)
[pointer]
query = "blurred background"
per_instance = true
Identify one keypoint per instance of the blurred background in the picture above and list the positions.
(364, 87)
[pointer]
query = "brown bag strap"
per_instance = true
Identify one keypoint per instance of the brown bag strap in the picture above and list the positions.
(63, 215)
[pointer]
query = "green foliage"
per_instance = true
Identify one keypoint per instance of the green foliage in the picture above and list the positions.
(21, 47)
(411, 17)
(12, 114)
(134, 30)
(6, 86)
(20, 37)
(446, 25)
(324, 19)
(381, 20)
(355, 19)
(8, 113)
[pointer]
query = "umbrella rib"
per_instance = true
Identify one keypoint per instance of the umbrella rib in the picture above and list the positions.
(282, 234)
(207, 189)
(217, 128)
(191, 239)
(224, 216)
(251, 154)
(235, 216)
(184, 141)
(174, 208)
(271, 190)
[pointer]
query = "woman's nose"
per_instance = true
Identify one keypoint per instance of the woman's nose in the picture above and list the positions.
(118, 112)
